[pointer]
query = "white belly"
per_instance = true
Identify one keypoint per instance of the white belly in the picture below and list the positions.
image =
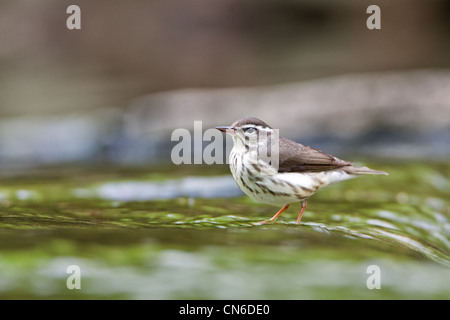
(280, 189)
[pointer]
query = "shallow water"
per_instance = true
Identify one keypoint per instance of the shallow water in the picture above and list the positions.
(187, 232)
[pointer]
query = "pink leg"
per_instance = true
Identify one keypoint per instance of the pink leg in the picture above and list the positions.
(275, 216)
(301, 211)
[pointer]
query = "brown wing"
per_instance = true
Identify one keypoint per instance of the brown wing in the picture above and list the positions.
(295, 157)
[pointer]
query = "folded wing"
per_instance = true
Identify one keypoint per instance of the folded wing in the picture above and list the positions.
(296, 157)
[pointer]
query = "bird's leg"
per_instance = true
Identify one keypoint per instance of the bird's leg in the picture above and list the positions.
(275, 216)
(301, 211)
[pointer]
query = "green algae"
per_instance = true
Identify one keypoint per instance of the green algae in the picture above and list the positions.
(201, 248)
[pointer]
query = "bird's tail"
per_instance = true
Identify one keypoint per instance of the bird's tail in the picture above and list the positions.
(364, 170)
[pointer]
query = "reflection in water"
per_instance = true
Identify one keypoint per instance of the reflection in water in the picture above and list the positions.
(203, 187)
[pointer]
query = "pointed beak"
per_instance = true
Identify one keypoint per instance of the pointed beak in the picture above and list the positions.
(229, 130)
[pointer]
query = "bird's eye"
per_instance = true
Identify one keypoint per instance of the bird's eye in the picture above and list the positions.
(250, 129)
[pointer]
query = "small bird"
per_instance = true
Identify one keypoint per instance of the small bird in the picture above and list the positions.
(279, 171)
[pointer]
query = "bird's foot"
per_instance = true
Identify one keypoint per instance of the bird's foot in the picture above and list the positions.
(260, 223)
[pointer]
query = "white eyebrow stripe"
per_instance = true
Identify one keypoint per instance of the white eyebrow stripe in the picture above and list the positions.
(253, 126)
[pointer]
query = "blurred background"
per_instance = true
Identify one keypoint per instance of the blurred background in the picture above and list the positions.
(112, 92)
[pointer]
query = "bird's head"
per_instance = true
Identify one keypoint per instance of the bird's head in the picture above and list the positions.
(251, 133)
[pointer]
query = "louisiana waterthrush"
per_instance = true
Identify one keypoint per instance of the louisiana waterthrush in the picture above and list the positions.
(280, 171)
